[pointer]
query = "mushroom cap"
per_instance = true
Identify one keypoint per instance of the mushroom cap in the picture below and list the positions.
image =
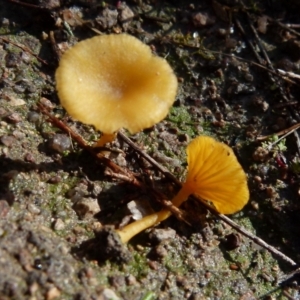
(115, 81)
(214, 174)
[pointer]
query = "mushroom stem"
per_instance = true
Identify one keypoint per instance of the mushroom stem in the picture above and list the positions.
(136, 227)
(105, 138)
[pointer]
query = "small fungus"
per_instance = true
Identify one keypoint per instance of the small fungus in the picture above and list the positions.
(114, 81)
(214, 175)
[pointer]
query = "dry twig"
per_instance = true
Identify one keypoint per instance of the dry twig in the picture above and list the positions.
(284, 132)
(287, 27)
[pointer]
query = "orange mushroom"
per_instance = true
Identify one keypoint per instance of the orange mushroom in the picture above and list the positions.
(214, 175)
(114, 81)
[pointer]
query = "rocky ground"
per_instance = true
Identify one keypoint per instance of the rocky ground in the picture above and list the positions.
(55, 195)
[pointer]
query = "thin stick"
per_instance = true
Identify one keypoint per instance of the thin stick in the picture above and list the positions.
(287, 27)
(250, 43)
(262, 48)
(290, 103)
(27, 4)
(284, 132)
(289, 74)
(289, 276)
(163, 170)
(258, 241)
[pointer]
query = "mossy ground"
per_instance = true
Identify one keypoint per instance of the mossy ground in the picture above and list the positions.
(41, 259)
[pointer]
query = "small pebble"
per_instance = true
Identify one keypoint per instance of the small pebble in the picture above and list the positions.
(249, 77)
(232, 241)
(202, 19)
(53, 293)
(96, 190)
(7, 140)
(5, 22)
(60, 143)
(139, 247)
(161, 251)
(131, 280)
(4, 208)
(59, 224)
(271, 191)
(231, 43)
(3, 112)
(16, 101)
(12, 59)
(117, 281)
(262, 24)
(159, 235)
(108, 294)
(107, 18)
(139, 209)
(33, 117)
(78, 230)
(55, 179)
(26, 58)
(77, 193)
(14, 118)
(86, 208)
(257, 178)
(121, 161)
(46, 102)
(255, 205)
(5, 151)
(19, 135)
(221, 32)
(3, 124)
(33, 288)
(153, 264)
(234, 267)
(125, 16)
(260, 154)
(183, 138)
(33, 209)
(28, 157)
(218, 294)
(275, 268)
(258, 101)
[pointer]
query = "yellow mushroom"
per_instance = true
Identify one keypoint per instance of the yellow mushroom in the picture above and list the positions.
(114, 81)
(214, 175)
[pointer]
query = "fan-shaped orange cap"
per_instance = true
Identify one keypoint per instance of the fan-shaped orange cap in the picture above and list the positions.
(115, 81)
(215, 174)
